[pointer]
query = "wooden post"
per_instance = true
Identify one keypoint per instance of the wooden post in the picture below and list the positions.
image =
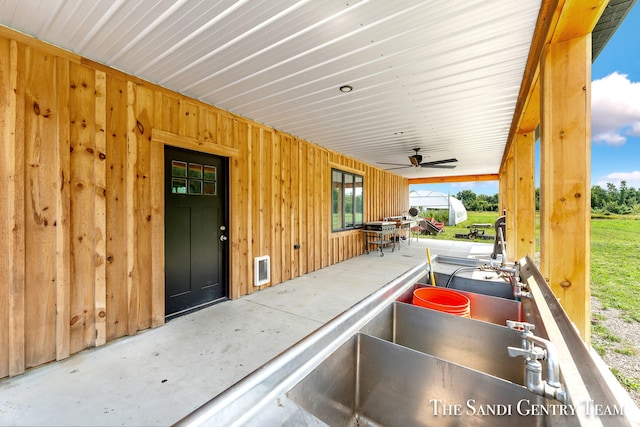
(502, 195)
(509, 206)
(565, 176)
(525, 195)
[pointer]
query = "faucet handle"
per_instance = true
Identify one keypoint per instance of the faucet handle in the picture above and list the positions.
(533, 353)
(515, 352)
(523, 327)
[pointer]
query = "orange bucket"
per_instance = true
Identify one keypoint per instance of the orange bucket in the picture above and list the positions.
(442, 299)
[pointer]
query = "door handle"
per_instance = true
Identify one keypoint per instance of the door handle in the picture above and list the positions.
(223, 238)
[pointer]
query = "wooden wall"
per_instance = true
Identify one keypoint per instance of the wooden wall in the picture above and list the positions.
(81, 211)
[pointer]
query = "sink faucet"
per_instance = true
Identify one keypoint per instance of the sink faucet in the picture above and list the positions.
(534, 349)
(512, 274)
(517, 287)
(503, 262)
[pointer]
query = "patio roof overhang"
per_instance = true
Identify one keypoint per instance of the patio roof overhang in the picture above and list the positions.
(455, 79)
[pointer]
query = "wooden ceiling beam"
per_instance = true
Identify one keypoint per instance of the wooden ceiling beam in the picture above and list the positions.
(546, 20)
(578, 17)
(557, 21)
(458, 178)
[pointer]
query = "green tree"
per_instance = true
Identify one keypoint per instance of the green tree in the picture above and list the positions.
(624, 191)
(598, 197)
(612, 192)
(487, 203)
(468, 199)
(625, 200)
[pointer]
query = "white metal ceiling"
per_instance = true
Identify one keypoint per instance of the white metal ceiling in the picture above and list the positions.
(442, 76)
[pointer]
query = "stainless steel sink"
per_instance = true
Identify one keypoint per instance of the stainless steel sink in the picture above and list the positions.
(372, 382)
(415, 366)
(486, 308)
(478, 282)
(477, 345)
(385, 362)
(470, 275)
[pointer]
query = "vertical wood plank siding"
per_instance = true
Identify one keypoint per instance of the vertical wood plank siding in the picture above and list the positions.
(6, 128)
(82, 214)
(40, 204)
(116, 250)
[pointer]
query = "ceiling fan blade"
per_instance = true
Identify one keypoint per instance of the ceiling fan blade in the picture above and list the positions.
(395, 164)
(438, 162)
(438, 166)
(399, 167)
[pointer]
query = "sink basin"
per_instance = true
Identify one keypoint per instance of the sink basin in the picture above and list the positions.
(477, 345)
(372, 382)
(478, 282)
(470, 275)
(486, 308)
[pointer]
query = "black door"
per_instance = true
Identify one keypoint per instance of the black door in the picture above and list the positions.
(195, 230)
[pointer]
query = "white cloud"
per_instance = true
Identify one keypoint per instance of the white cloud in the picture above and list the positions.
(615, 109)
(632, 179)
(610, 139)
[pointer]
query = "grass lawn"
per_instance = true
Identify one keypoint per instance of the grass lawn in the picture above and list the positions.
(615, 283)
(615, 269)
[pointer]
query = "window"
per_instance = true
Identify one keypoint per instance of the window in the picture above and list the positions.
(347, 205)
(193, 178)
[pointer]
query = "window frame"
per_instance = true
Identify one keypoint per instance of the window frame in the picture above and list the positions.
(197, 177)
(348, 181)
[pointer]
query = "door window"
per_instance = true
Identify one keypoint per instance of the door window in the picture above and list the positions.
(193, 178)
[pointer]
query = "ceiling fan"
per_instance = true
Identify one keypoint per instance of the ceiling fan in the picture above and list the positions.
(416, 162)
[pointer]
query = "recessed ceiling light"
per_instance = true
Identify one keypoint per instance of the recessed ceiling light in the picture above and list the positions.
(346, 88)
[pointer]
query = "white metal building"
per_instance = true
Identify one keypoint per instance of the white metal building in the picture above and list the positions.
(435, 200)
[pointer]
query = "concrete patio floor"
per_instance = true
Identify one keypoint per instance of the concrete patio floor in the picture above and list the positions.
(160, 375)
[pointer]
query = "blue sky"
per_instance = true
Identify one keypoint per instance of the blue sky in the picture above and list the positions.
(615, 115)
